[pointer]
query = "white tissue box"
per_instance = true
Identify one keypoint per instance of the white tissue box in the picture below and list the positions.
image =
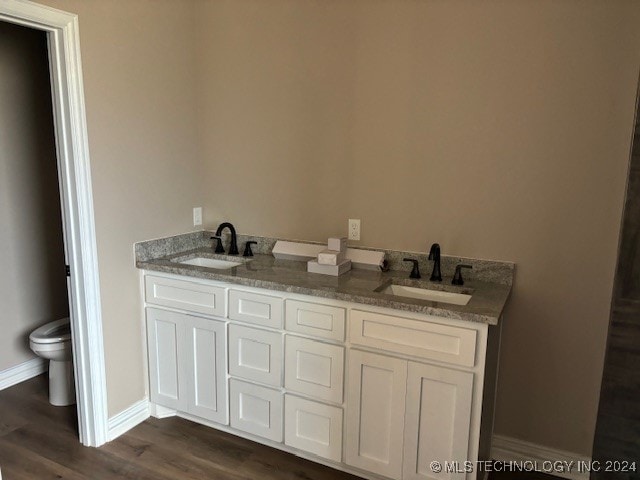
(339, 244)
(331, 257)
(314, 267)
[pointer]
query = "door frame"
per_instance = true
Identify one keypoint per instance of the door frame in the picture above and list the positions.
(74, 175)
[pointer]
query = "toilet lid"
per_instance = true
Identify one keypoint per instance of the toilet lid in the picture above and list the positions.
(52, 332)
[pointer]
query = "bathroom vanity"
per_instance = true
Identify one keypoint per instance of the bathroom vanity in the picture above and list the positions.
(329, 369)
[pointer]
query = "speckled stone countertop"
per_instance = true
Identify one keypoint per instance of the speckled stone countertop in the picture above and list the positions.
(489, 283)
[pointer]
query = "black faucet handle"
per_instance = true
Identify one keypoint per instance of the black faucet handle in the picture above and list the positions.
(219, 247)
(247, 248)
(415, 273)
(457, 276)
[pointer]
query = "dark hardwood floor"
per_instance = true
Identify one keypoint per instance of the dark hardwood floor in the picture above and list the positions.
(39, 441)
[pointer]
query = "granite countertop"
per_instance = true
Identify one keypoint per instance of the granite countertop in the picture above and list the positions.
(358, 285)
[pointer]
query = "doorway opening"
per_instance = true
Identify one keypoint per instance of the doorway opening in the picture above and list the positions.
(74, 179)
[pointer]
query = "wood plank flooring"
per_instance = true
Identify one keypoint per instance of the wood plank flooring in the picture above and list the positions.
(40, 442)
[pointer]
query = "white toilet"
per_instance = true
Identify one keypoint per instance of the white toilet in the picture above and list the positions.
(53, 342)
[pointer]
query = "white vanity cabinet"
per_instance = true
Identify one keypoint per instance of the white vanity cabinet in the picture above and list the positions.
(426, 408)
(187, 363)
(372, 391)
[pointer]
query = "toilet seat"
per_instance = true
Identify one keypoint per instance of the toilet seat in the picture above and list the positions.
(53, 332)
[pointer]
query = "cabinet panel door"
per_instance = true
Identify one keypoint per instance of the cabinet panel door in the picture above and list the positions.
(437, 420)
(432, 340)
(206, 367)
(165, 340)
(255, 308)
(375, 413)
(196, 297)
(255, 354)
(256, 410)
(313, 427)
(314, 368)
(322, 321)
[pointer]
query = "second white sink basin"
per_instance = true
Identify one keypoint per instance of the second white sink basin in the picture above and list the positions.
(211, 263)
(424, 294)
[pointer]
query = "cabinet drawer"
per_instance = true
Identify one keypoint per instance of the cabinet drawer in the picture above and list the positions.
(414, 337)
(314, 368)
(313, 427)
(195, 297)
(313, 319)
(256, 410)
(255, 308)
(255, 354)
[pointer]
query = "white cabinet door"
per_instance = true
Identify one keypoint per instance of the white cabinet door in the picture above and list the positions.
(375, 413)
(255, 354)
(313, 427)
(165, 339)
(256, 410)
(438, 415)
(206, 368)
(314, 368)
(263, 310)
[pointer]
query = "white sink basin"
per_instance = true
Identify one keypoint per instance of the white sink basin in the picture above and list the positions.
(424, 294)
(210, 263)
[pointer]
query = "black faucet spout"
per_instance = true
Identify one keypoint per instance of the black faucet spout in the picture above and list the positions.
(434, 254)
(233, 248)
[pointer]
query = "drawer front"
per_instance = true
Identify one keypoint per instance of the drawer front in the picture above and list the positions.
(255, 308)
(313, 319)
(255, 354)
(314, 368)
(313, 427)
(256, 410)
(191, 296)
(414, 337)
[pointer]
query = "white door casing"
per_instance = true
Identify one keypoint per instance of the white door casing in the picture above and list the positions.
(77, 208)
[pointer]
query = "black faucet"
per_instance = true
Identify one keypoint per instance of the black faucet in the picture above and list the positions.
(233, 248)
(247, 248)
(434, 254)
(219, 247)
(457, 276)
(415, 273)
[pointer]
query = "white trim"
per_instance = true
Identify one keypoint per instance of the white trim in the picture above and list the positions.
(158, 411)
(77, 208)
(127, 419)
(24, 371)
(511, 449)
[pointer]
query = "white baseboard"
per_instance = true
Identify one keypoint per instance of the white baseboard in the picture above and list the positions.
(127, 419)
(158, 411)
(548, 460)
(24, 371)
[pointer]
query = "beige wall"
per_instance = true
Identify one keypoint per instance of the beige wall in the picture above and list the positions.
(32, 279)
(139, 80)
(500, 129)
